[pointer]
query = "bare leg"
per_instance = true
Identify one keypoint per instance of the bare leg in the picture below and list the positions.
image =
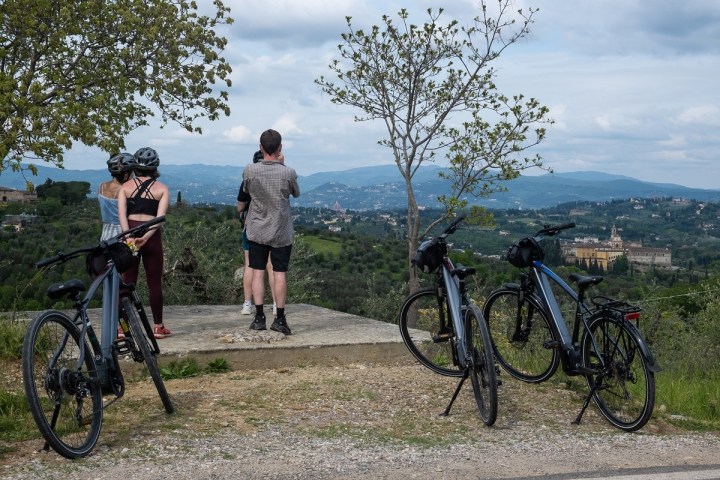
(247, 278)
(280, 288)
(258, 286)
(271, 280)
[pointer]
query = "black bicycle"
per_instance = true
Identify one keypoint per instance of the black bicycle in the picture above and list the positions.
(66, 369)
(531, 338)
(445, 330)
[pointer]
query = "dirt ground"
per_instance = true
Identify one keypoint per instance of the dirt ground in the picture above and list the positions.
(358, 422)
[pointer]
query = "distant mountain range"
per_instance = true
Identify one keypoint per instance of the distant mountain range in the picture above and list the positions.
(373, 188)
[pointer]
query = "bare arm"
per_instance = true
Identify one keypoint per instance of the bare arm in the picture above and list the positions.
(122, 210)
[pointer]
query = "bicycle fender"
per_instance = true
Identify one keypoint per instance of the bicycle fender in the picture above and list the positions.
(644, 349)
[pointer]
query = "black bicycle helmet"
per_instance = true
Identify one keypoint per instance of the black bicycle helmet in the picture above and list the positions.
(120, 162)
(146, 159)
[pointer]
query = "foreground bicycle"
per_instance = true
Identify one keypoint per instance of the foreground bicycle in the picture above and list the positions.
(445, 330)
(531, 338)
(66, 369)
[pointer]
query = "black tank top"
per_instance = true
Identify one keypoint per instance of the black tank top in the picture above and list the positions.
(142, 200)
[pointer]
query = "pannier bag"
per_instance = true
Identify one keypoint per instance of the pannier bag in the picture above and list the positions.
(429, 255)
(121, 255)
(523, 253)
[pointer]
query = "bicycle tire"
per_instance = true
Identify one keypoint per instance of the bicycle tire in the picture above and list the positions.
(529, 353)
(482, 365)
(140, 341)
(624, 390)
(65, 403)
(421, 317)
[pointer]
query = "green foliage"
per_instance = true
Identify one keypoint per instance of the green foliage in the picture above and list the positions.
(219, 365)
(188, 367)
(89, 72)
(68, 193)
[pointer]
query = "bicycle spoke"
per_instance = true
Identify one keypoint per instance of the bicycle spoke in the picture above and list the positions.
(521, 336)
(64, 400)
(624, 387)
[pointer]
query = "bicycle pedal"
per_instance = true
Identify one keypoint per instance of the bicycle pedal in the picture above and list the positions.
(441, 337)
(550, 344)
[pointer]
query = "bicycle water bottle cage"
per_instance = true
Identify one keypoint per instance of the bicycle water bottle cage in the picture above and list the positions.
(523, 253)
(70, 288)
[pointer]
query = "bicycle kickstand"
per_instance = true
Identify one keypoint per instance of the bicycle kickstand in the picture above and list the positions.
(466, 374)
(585, 405)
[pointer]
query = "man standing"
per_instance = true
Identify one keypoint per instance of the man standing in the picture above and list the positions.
(269, 225)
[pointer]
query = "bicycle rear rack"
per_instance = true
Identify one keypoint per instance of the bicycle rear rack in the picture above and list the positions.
(620, 308)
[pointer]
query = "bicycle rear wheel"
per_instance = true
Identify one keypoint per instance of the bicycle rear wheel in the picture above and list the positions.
(624, 387)
(65, 401)
(482, 365)
(143, 352)
(427, 331)
(521, 336)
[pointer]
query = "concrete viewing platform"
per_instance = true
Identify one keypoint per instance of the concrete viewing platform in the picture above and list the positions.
(320, 336)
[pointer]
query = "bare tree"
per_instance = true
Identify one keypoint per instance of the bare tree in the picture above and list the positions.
(433, 87)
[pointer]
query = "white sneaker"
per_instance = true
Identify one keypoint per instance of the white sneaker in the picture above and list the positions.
(274, 309)
(247, 308)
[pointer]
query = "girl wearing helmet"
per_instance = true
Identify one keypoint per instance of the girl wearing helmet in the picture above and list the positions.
(139, 201)
(119, 166)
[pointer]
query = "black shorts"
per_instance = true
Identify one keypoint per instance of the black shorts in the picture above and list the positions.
(279, 256)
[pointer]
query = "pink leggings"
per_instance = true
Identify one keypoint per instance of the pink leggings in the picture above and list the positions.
(152, 257)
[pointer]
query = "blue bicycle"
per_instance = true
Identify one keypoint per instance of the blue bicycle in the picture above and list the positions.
(67, 369)
(531, 338)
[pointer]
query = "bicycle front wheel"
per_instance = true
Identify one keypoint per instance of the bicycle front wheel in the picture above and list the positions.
(624, 386)
(65, 399)
(426, 329)
(143, 352)
(481, 364)
(522, 340)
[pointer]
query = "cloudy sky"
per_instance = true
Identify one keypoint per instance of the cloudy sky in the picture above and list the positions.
(633, 87)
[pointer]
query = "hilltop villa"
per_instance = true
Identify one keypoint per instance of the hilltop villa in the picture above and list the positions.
(8, 195)
(605, 253)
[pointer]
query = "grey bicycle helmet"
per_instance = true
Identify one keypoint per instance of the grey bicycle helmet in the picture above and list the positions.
(120, 162)
(146, 159)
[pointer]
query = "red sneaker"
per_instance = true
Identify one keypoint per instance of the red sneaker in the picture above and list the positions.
(162, 332)
(120, 334)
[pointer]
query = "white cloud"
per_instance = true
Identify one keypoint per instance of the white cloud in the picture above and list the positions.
(631, 85)
(240, 134)
(708, 115)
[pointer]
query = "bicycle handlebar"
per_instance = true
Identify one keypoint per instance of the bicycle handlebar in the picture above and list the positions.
(453, 226)
(549, 231)
(134, 232)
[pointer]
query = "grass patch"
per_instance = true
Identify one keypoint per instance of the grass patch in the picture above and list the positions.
(11, 339)
(188, 367)
(16, 422)
(323, 245)
(692, 402)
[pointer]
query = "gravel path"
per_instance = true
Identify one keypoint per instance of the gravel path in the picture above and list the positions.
(356, 422)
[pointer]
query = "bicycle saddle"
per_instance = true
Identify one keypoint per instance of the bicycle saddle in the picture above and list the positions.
(585, 281)
(68, 288)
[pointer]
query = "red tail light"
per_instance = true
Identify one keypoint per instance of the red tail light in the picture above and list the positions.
(632, 316)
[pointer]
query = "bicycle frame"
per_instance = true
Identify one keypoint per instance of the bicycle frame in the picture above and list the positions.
(454, 298)
(541, 277)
